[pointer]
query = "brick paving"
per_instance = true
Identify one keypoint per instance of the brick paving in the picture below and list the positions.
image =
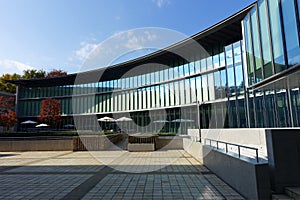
(172, 174)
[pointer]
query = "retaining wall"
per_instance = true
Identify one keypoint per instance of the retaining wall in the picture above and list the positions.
(250, 179)
(36, 144)
(95, 142)
(169, 142)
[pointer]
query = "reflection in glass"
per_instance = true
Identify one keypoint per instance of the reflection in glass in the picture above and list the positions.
(256, 45)
(291, 33)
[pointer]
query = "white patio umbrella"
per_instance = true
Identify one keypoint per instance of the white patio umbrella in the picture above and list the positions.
(160, 121)
(106, 119)
(29, 122)
(124, 119)
(42, 125)
(182, 120)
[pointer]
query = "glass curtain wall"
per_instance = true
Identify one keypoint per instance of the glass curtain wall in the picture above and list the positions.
(271, 34)
(272, 38)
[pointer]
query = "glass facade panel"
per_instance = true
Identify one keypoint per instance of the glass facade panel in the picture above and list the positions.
(217, 85)
(291, 32)
(187, 89)
(211, 86)
(199, 88)
(231, 81)
(239, 80)
(197, 66)
(276, 36)
(256, 45)
(205, 88)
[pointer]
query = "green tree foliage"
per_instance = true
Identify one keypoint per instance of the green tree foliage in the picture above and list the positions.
(27, 74)
(8, 87)
(32, 74)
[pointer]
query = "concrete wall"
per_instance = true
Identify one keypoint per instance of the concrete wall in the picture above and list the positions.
(48, 143)
(141, 147)
(249, 179)
(36, 144)
(194, 148)
(169, 142)
(95, 142)
(249, 137)
(284, 157)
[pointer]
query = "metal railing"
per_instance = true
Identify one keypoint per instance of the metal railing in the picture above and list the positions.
(230, 144)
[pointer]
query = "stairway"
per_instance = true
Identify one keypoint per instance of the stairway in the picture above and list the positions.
(291, 193)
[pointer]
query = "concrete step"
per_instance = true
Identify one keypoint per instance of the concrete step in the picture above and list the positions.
(293, 192)
(281, 197)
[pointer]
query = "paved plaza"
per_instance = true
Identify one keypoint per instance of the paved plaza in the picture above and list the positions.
(172, 174)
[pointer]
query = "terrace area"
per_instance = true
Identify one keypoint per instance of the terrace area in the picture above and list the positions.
(167, 174)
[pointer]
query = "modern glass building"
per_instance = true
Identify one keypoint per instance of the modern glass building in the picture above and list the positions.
(248, 77)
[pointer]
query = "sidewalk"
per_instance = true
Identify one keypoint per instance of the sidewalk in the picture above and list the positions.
(108, 175)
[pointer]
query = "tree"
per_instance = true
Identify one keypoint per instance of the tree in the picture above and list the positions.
(7, 115)
(7, 103)
(32, 74)
(50, 111)
(8, 87)
(8, 119)
(56, 73)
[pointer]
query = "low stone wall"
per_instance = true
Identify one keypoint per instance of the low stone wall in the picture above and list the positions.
(169, 142)
(61, 143)
(95, 142)
(36, 144)
(141, 147)
(254, 137)
(249, 179)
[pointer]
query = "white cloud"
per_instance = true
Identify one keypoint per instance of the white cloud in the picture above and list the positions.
(12, 66)
(161, 3)
(85, 50)
(120, 41)
(123, 46)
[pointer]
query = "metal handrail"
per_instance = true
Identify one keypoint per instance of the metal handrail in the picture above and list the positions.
(231, 144)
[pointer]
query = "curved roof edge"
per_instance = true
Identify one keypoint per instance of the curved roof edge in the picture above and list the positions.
(229, 28)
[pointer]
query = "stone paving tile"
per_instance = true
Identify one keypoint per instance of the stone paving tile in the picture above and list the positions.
(38, 186)
(154, 186)
(53, 175)
(225, 189)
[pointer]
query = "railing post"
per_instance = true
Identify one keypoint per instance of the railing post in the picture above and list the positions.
(257, 159)
(217, 144)
(239, 150)
(226, 146)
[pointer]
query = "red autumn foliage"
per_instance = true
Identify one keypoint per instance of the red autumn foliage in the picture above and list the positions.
(56, 73)
(7, 115)
(50, 111)
(8, 119)
(7, 103)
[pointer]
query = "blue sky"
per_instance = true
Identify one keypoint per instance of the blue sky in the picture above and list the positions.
(59, 34)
